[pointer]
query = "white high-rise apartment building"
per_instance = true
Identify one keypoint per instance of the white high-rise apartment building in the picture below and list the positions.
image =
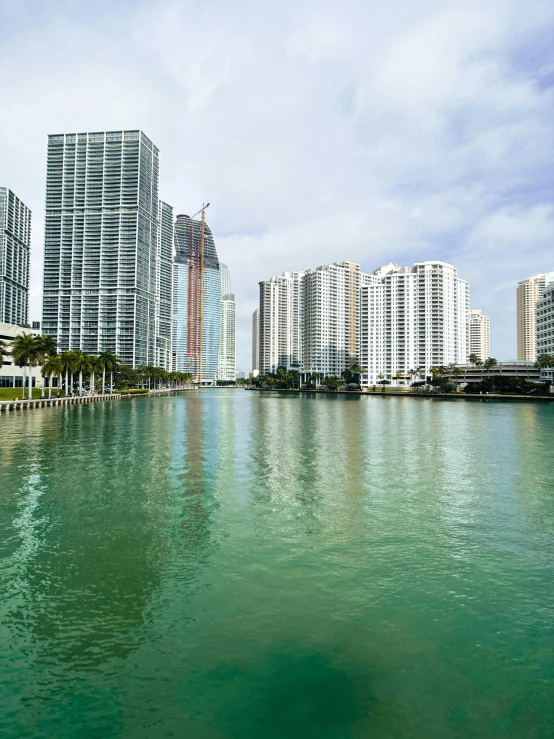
(308, 320)
(529, 292)
(15, 244)
(411, 320)
(331, 312)
(478, 334)
(106, 272)
(164, 287)
(275, 323)
(256, 340)
(227, 369)
(545, 328)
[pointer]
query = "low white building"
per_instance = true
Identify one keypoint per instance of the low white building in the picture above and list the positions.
(545, 328)
(11, 375)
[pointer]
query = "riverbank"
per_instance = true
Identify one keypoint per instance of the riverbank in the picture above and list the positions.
(405, 394)
(21, 405)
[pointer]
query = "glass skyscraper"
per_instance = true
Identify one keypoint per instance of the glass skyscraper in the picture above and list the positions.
(186, 301)
(15, 244)
(106, 263)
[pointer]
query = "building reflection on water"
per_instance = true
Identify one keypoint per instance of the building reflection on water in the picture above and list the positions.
(89, 534)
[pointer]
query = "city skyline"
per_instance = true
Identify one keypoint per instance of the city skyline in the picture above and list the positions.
(395, 323)
(441, 150)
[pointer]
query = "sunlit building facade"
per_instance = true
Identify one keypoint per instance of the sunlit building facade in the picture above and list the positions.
(412, 320)
(102, 266)
(529, 292)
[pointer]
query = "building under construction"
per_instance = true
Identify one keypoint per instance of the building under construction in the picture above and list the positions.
(196, 301)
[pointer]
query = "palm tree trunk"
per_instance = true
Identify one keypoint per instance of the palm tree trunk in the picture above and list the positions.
(50, 386)
(111, 382)
(80, 382)
(67, 383)
(103, 380)
(92, 382)
(24, 382)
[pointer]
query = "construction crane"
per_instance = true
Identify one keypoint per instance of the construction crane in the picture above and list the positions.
(201, 279)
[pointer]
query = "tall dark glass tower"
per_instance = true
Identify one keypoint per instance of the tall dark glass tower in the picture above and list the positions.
(186, 300)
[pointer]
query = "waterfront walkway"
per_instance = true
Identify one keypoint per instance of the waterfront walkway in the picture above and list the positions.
(23, 405)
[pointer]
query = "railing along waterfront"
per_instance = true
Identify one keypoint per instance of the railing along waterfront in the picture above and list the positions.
(21, 405)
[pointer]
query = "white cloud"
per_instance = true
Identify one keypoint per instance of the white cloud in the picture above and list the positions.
(318, 130)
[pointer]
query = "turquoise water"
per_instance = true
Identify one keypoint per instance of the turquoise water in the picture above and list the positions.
(239, 564)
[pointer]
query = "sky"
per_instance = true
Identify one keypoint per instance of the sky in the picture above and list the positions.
(318, 131)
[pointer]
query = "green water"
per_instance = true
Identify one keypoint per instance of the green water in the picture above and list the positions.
(239, 564)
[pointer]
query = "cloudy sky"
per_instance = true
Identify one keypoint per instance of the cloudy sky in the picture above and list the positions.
(319, 131)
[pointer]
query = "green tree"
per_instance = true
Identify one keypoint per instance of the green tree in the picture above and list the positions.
(331, 383)
(347, 376)
(52, 367)
(544, 361)
(489, 363)
(47, 346)
(26, 353)
(83, 366)
(94, 367)
(70, 361)
(4, 351)
(108, 361)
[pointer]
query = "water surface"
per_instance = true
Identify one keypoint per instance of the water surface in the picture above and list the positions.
(241, 564)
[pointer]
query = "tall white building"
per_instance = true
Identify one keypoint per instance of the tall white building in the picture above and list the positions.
(308, 320)
(331, 313)
(478, 334)
(256, 340)
(15, 244)
(391, 322)
(227, 370)
(529, 292)
(275, 323)
(411, 320)
(105, 261)
(545, 328)
(164, 287)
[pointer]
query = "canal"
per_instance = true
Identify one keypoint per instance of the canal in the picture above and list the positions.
(240, 564)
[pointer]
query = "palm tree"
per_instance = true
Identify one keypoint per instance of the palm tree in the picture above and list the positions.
(83, 365)
(26, 353)
(473, 358)
(52, 366)
(4, 352)
(47, 345)
(94, 365)
(70, 361)
(490, 363)
(108, 362)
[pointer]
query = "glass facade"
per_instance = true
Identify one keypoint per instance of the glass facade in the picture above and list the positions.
(15, 244)
(186, 301)
(101, 259)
